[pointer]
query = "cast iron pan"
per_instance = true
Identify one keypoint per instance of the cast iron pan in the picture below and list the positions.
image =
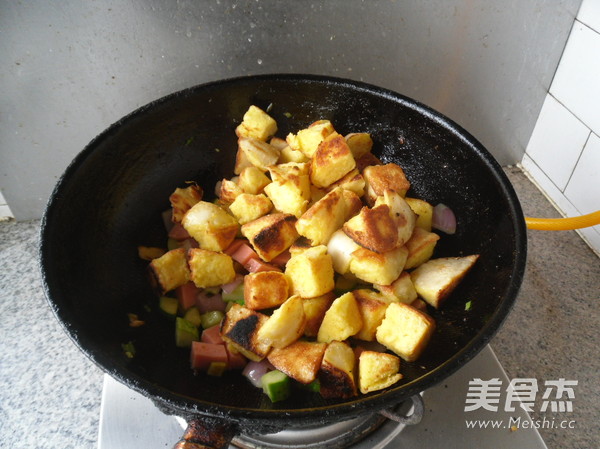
(111, 197)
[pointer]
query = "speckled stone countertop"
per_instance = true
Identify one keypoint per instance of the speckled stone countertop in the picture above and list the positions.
(50, 392)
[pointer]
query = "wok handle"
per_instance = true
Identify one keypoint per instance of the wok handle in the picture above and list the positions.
(207, 433)
(408, 420)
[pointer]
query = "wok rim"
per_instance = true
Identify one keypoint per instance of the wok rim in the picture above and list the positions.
(185, 405)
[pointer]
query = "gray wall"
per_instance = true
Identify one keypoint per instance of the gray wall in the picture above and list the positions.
(71, 68)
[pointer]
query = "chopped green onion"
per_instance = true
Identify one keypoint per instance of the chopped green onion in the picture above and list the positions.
(128, 349)
(468, 305)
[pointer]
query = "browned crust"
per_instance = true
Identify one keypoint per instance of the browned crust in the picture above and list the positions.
(376, 229)
(386, 177)
(301, 360)
(335, 383)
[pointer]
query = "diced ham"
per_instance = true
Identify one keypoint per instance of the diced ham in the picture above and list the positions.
(244, 253)
(282, 259)
(256, 265)
(186, 294)
(212, 335)
(203, 354)
(206, 302)
(234, 246)
(235, 360)
(178, 232)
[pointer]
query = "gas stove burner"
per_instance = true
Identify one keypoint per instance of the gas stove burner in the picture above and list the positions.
(357, 433)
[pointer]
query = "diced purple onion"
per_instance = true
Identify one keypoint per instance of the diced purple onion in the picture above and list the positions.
(207, 302)
(231, 286)
(254, 371)
(443, 219)
(218, 188)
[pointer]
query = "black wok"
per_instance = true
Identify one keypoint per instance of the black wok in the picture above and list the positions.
(111, 197)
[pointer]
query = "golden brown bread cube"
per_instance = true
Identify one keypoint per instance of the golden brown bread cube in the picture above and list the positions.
(323, 218)
(307, 140)
(405, 331)
(255, 152)
(247, 207)
(401, 213)
(288, 154)
(379, 178)
(278, 142)
(265, 290)
(359, 144)
(420, 247)
(210, 268)
(301, 360)
(331, 162)
(380, 268)
(210, 225)
(341, 321)
(314, 311)
(150, 252)
(402, 289)
(437, 278)
(424, 212)
(352, 181)
(372, 307)
(271, 234)
(377, 370)
(289, 192)
(337, 375)
(183, 199)
(256, 123)
(239, 329)
(299, 246)
(229, 191)
(170, 270)
(310, 273)
(285, 325)
(285, 171)
(253, 180)
(373, 229)
(367, 160)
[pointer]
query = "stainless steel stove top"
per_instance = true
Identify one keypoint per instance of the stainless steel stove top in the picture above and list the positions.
(129, 420)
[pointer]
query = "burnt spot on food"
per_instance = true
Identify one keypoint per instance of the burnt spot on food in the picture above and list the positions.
(335, 384)
(243, 330)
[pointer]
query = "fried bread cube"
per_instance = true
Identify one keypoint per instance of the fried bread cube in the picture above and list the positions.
(381, 268)
(253, 180)
(183, 199)
(367, 160)
(301, 360)
(323, 218)
(278, 143)
(341, 321)
(359, 144)
(379, 178)
(402, 289)
(401, 213)
(372, 307)
(271, 234)
(353, 203)
(256, 123)
(307, 140)
(424, 212)
(210, 225)
(314, 311)
(265, 290)
(288, 154)
(340, 247)
(210, 268)
(352, 181)
(405, 331)
(299, 246)
(283, 172)
(285, 325)
(311, 272)
(290, 193)
(331, 162)
(437, 278)
(377, 370)
(248, 207)
(420, 247)
(229, 191)
(239, 329)
(374, 229)
(337, 375)
(255, 152)
(170, 270)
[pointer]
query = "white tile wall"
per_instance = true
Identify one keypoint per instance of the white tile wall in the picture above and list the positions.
(563, 154)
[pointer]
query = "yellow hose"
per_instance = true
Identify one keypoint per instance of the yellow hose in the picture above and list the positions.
(563, 224)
